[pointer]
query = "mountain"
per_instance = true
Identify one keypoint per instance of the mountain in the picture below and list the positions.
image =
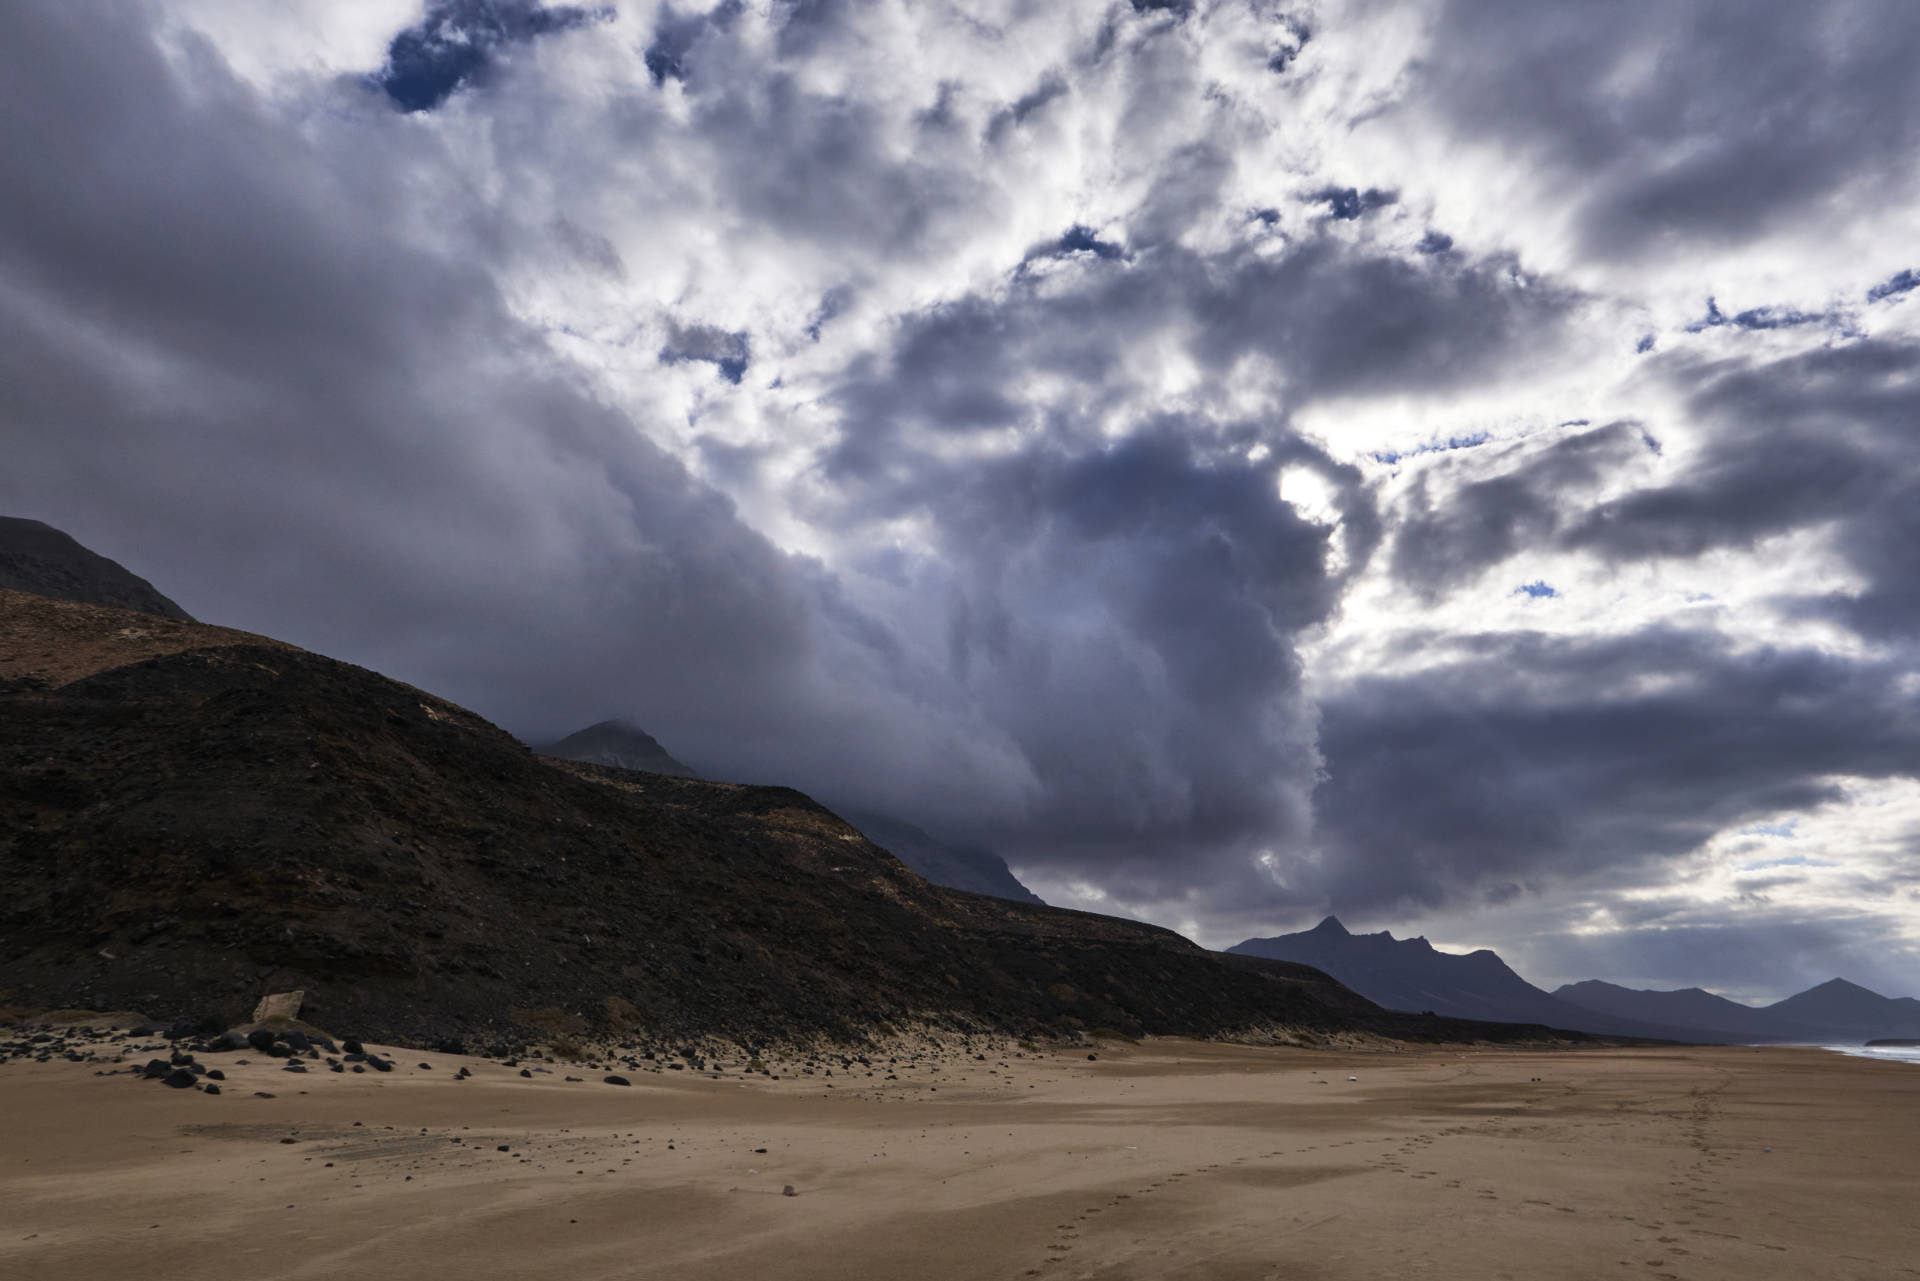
(1843, 1011)
(624, 745)
(1833, 1011)
(39, 558)
(191, 817)
(1689, 1007)
(620, 744)
(958, 867)
(1410, 974)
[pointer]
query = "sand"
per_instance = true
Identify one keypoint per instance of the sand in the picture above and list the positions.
(1168, 1159)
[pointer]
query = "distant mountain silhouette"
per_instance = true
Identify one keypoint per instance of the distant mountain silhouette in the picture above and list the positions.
(35, 557)
(1410, 974)
(620, 744)
(1845, 1011)
(1834, 1011)
(1689, 1007)
(954, 866)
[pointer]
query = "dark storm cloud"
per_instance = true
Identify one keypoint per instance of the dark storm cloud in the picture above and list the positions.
(1522, 760)
(223, 364)
(1077, 240)
(1901, 282)
(1129, 610)
(727, 351)
(1676, 122)
(1342, 320)
(1333, 318)
(1345, 204)
(675, 35)
(459, 41)
(1768, 951)
(1820, 439)
(1448, 538)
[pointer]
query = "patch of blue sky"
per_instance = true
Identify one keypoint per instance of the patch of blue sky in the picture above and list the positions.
(1391, 456)
(1895, 286)
(1538, 589)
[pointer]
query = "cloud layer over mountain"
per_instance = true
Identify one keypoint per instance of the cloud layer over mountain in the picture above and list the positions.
(1450, 464)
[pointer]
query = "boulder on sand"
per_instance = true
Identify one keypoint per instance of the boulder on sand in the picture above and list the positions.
(279, 1005)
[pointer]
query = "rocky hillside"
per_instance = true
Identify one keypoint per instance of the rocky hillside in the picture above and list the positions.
(626, 746)
(190, 817)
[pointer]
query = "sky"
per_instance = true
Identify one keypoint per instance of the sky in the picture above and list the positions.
(1448, 464)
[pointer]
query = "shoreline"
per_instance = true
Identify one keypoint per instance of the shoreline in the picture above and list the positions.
(1169, 1158)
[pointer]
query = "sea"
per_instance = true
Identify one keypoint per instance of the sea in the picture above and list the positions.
(1892, 1053)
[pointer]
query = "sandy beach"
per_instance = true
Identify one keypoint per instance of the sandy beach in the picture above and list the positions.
(1167, 1159)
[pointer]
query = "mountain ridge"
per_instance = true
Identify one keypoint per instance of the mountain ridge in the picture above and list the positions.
(1411, 974)
(35, 557)
(624, 745)
(191, 816)
(1414, 976)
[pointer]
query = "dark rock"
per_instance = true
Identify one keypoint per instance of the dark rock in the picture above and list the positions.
(351, 1046)
(261, 1039)
(210, 1088)
(216, 1075)
(180, 1079)
(525, 1073)
(618, 1080)
(156, 1069)
(205, 1025)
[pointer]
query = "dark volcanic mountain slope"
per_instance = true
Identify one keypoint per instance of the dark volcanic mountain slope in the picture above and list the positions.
(188, 830)
(625, 745)
(957, 867)
(38, 558)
